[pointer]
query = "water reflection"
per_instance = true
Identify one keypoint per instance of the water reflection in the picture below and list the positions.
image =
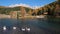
(29, 26)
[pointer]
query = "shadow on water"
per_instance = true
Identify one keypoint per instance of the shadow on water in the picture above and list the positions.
(50, 21)
(50, 24)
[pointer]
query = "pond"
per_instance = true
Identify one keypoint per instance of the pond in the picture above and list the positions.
(30, 26)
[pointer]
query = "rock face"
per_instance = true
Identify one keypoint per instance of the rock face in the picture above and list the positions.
(13, 14)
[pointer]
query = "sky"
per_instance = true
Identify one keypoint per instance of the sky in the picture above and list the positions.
(25, 2)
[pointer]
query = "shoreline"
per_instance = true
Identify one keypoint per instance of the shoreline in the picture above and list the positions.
(2, 16)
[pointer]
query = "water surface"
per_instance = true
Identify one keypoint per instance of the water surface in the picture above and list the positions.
(37, 26)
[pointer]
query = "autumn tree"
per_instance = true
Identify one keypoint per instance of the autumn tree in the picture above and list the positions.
(23, 12)
(30, 12)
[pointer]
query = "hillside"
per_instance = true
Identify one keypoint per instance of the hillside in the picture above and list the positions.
(53, 9)
(7, 10)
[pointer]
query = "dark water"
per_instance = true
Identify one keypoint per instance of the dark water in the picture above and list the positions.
(37, 26)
